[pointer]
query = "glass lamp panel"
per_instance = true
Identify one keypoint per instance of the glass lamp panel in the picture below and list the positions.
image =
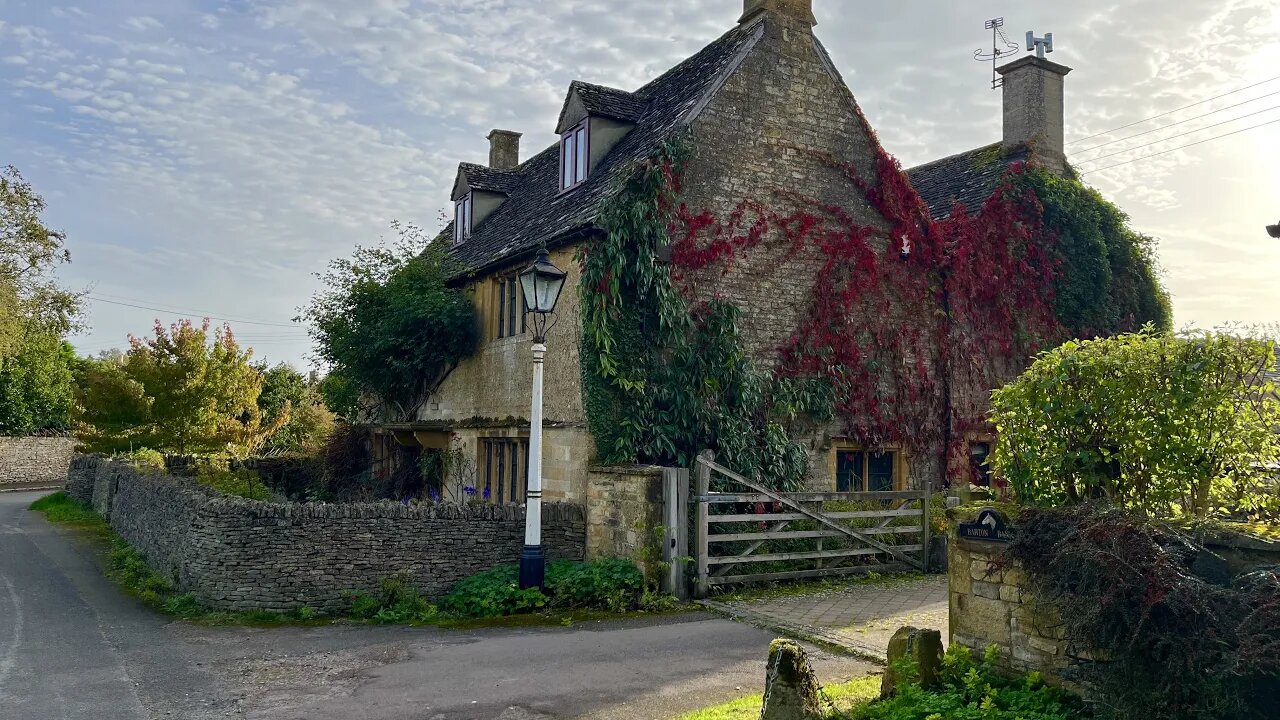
(548, 292)
(527, 286)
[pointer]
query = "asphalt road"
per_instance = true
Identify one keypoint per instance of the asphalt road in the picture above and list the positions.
(72, 646)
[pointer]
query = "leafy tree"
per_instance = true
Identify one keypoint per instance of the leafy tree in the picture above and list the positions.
(196, 392)
(36, 390)
(112, 408)
(388, 326)
(1160, 423)
(293, 402)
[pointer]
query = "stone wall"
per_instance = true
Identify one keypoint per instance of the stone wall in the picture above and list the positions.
(237, 554)
(624, 512)
(28, 463)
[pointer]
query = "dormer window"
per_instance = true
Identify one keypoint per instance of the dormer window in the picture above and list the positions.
(462, 214)
(575, 152)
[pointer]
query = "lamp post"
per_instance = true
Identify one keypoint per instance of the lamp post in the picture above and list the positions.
(541, 282)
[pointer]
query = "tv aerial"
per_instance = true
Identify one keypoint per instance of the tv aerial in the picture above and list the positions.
(1001, 47)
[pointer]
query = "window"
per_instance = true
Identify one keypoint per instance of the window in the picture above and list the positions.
(979, 454)
(462, 219)
(575, 151)
(862, 471)
(505, 471)
(513, 314)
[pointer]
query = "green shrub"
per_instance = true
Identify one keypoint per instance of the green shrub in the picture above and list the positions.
(398, 601)
(493, 593)
(611, 583)
(143, 459)
(60, 508)
(972, 690)
(184, 606)
(241, 483)
(129, 567)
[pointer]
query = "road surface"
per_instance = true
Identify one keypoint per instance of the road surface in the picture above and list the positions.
(72, 646)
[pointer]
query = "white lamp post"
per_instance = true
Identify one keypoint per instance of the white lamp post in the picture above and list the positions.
(541, 283)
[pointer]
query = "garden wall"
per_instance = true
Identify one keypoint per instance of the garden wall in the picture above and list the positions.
(624, 512)
(29, 463)
(237, 554)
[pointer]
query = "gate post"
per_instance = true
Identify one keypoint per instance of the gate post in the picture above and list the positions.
(703, 486)
(675, 546)
(926, 529)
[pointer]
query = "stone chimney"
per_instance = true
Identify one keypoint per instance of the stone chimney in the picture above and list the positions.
(1033, 110)
(504, 150)
(800, 10)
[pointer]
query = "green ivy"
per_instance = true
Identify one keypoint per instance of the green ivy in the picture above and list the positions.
(665, 377)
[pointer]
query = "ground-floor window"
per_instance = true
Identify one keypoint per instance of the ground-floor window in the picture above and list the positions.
(979, 454)
(504, 469)
(865, 471)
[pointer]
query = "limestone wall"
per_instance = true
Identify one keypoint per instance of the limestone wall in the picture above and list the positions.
(237, 554)
(624, 511)
(34, 462)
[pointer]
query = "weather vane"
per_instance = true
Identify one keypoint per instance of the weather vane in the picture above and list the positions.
(998, 39)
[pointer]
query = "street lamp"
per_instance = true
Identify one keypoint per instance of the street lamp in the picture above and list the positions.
(541, 283)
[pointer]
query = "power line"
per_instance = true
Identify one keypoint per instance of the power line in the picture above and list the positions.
(1165, 114)
(1180, 147)
(1179, 122)
(1174, 137)
(203, 314)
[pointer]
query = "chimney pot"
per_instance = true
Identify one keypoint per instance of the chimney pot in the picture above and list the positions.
(801, 10)
(504, 150)
(1034, 110)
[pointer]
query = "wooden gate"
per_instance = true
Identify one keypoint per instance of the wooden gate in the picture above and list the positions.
(750, 533)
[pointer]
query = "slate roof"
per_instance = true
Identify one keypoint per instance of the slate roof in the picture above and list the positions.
(967, 178)
(481, 177)
(536, 210)
(610, 102)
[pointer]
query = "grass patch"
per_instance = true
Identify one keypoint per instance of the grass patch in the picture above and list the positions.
(60, 508)
(803, 588)
(841, 699)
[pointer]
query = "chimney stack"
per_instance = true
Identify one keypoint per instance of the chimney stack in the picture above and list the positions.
(799, 10)
(504, 150)
(1034, 110)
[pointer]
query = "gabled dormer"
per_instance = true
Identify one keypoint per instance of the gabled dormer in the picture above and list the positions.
(594, 119)
(478, 190)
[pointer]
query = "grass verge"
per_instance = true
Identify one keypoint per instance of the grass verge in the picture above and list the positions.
(395, 603)
(840, 698)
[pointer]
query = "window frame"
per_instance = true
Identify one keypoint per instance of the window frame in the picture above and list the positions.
(464, 212)
(508, 296)
(581, 159)
(862, 481)
(504, 469)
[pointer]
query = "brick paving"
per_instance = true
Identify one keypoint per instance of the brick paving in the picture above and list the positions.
(858, 616)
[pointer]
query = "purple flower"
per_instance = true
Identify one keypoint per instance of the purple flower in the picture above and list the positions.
(487, 493)
(433, 495)
(470, 491)
(405, 501)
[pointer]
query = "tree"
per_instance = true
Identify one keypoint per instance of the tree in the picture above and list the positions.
(1160, 423)
(181, 391)
(293, 402)
(389, 326)
(36, 389)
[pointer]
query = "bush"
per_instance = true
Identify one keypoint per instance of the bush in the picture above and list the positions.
(610, 584)
(144, 459)
(60, 508)
(398, 602)
(241, 483)
(972, 690)
(1162, 424)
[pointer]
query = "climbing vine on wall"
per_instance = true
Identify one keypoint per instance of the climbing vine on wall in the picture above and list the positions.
(909, 323)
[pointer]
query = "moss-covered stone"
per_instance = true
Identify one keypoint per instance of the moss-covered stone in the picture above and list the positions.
(921, 649)
(791, 690)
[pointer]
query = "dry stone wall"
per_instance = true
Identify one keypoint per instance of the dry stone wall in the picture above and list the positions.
(34, 462)
(237, 554)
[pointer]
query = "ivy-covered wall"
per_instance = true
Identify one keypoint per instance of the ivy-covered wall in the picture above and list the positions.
(770, 282)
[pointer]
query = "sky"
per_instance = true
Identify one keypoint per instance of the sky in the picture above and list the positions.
(208, 157)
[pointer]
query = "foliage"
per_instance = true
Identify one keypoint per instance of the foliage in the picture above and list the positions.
(241, 483)
(666, 377)
(127, 566)
(972, 690)
(388, 325)
(347, 462)
(36, 387)
(32, 305)
(840, 697)
(1158, 423)
(60, 508)
(610, 584)
(1173, 644)
(398, 602)
(492, 593)
(143, 459)
(187, 390)
(293, 402)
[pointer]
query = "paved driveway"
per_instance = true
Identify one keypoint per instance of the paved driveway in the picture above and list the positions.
(858, 615)
(72, 647)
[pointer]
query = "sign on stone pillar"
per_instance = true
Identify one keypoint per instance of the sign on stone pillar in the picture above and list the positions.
(991, 526)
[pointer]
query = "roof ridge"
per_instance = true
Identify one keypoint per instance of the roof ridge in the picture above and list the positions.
(945, 158)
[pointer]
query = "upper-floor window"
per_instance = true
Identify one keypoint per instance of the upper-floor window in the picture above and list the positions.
(512, 313)
(462, 219)
(575, 151)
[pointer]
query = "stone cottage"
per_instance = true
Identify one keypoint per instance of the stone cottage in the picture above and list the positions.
(763, 104)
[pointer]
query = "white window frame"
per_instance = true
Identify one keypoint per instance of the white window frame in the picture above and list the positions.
(575, 155)
(463, 214)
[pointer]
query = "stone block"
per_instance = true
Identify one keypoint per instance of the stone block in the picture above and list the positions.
(981, 617)
(987, 589)
(922, 648)
(791, 690)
